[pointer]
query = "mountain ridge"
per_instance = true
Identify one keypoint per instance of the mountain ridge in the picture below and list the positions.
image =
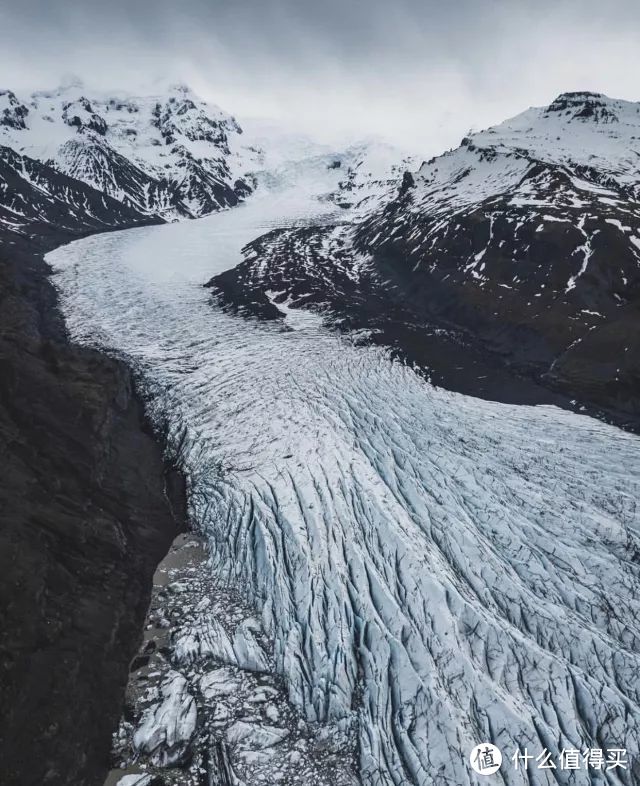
(170, 154)
(522, 245)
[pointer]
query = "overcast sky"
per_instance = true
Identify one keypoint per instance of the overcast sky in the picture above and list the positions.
(418, 72)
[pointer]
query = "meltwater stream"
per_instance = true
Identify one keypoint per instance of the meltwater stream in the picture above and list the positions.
(444, 570)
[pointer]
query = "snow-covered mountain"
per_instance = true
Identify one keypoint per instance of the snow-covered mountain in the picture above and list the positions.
(355, 174)
(171, 154)
(36, 199)
(522, 246)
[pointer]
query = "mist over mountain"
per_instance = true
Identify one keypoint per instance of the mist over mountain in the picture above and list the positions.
(419, 73)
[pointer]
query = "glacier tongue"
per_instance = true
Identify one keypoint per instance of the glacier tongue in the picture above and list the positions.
(446, 569)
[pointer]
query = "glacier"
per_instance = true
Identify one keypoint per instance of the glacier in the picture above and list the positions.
(440, 569)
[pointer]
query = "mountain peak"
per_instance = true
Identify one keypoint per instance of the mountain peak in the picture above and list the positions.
(581, 95)
(584, 105)
(181, 89)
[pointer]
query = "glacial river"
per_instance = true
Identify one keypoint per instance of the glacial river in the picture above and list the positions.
(445, 570)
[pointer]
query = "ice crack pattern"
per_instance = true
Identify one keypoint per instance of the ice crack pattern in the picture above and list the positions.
(444, 569)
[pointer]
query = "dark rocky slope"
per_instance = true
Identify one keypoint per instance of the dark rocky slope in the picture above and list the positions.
(556, 291)
(302, 273)
(508, 268)
(39, 200)
(88, 507)
(502, 344)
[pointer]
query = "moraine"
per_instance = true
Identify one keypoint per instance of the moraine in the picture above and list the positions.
(440, 569)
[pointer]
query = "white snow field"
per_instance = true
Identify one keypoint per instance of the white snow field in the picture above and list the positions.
(448, 570)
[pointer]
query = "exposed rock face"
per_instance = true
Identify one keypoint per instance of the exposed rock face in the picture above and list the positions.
(584, 105)
(87, 509)
(80, 115)
(13, 113)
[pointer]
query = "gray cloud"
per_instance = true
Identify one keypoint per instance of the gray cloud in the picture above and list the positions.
(419, 73)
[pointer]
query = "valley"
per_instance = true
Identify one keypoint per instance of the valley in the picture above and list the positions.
(402, 398)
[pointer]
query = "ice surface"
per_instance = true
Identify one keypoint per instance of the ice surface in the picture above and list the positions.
(446, 569)
(246, 729)
(255, 736)
(135, 780)
(168, 727)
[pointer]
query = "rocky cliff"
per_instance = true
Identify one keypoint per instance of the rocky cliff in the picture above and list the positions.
(88, 506)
